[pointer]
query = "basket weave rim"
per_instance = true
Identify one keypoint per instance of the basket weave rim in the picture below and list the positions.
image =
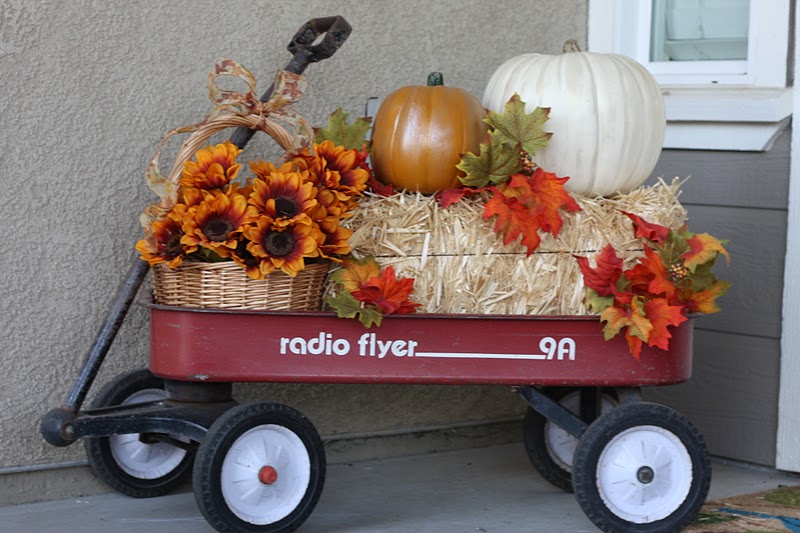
(231, 265)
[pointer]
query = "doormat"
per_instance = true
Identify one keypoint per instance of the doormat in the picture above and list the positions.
(772, 511)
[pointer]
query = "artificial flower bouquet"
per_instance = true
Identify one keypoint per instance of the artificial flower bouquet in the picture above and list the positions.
(278, 219)
(275, 226)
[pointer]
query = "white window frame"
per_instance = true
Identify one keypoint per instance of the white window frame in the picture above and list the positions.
(716, 105)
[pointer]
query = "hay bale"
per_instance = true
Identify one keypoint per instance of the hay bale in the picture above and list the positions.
(461, 266)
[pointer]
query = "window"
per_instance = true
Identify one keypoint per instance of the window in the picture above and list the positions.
(722, 64)
(699, 31)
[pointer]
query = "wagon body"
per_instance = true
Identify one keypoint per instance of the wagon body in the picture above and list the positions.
(212, 345)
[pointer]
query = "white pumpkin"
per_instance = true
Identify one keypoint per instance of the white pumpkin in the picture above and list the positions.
(606, 116)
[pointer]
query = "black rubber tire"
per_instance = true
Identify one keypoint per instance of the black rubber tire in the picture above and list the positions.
(223, 435)
(534, 437)
(98, 450)
(600, 434)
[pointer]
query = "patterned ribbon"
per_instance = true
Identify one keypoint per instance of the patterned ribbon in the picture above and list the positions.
(231, 108)
(287, 90)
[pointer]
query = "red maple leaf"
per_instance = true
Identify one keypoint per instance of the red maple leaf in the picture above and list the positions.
(380, 188)
(652, 232)
(388, 293)
(451, 196)
(384, 189)
(526, 204)
(603, 277)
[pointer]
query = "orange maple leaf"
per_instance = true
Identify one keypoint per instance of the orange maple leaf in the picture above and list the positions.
(650, 275)
(661, 314)
(703, 248)
(603, 278)
(356, 272)
(634, 345)
(388, 293)
(632, 319)
(526, 204)
(644, 321)
(704, 301)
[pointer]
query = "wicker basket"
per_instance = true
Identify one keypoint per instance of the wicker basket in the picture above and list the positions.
(225, 285)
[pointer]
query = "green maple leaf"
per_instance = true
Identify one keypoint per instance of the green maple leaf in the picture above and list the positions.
(596, 303)
(343, 133)
(346, 306)
(517, 127)
(497, 160)
(703, 277)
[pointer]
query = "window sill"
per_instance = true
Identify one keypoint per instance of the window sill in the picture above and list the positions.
(725, 118)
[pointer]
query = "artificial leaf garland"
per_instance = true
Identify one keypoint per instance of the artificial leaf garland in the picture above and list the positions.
(514, 137)
(366, 292)
(525, 199)
(672, 280)
(526, 204)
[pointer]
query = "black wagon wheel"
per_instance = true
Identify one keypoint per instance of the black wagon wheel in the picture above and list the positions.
(260, 468)
(126, 463)
(550, 449)
(641, 468)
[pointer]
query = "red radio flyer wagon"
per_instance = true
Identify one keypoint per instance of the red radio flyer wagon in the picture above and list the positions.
(633, 465)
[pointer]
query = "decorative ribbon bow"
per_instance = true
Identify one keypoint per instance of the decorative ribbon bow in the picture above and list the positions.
(287, 90)
(231, 109)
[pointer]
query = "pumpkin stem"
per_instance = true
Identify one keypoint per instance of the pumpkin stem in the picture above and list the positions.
(435, 78)
(571, 46)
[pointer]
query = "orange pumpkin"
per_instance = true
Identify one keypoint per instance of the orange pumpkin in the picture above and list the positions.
(420, 132)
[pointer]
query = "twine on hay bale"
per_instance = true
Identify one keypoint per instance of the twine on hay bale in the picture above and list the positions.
(461, 266)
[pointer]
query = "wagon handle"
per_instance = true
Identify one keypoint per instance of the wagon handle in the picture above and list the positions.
(316, 40)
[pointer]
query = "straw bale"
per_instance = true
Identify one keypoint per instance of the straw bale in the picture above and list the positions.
(461, 266)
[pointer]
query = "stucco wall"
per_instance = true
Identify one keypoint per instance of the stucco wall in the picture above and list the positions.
(87, 90)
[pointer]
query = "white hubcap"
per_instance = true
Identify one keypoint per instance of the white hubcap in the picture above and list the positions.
(265, 474)
(644, 474)
(140, 460)
(561, 444)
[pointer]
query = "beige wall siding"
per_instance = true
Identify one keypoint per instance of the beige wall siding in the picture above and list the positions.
(88, 89)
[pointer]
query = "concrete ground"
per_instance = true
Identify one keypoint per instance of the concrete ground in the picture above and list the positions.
(482, 490)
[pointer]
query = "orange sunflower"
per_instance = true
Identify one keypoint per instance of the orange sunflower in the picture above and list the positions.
(164, 244)
(216, 222)
(335, 243)
(305, 160)
(213, 168)
(283, 195)
(283, 244)
(263, 169)
(341, 166)
(245, 259)
(333, 209)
